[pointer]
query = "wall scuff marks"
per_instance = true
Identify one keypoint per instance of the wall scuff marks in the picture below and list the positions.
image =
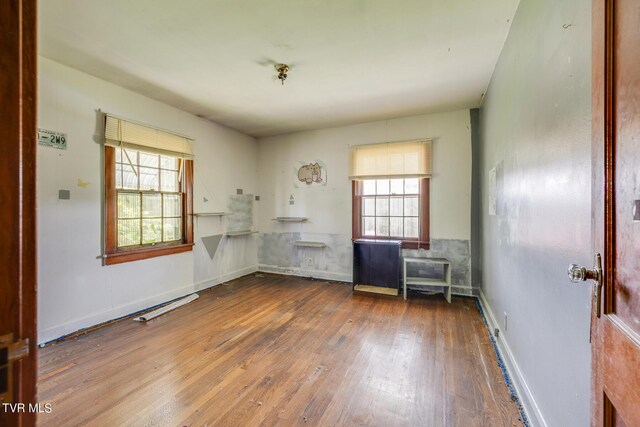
(277, 252)
(240, 212)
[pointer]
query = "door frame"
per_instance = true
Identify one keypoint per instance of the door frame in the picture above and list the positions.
(18, 58)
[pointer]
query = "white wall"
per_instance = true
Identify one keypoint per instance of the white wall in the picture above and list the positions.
(74, 289)
(329, 207)
(536, 121)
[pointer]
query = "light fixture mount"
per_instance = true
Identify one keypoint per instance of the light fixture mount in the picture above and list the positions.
(282, 70)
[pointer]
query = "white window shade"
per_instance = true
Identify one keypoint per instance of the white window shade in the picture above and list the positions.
(122, 133)
(389, 160)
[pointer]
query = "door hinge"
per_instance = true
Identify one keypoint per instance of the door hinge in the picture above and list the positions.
(10, 351)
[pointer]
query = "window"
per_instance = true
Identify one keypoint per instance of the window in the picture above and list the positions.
(148, 198)
(390, 208)
(396, 208)
(148, 192)
(391, 191)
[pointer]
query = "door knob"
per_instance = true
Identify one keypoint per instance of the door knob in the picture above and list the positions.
(582, 274)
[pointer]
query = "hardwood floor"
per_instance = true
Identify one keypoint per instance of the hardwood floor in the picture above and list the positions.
(278, 350)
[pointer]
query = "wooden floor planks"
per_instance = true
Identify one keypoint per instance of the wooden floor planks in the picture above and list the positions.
(279, 350)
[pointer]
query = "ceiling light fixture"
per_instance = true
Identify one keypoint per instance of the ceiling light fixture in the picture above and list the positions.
(282, 70)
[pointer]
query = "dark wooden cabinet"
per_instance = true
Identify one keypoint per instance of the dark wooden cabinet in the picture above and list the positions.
(377, 263)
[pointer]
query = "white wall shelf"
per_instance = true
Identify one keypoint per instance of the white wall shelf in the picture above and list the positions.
(290, 219)
(210, 214)
(309, 244)
(240, 233)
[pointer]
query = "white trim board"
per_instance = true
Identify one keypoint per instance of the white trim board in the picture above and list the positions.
(344, 277)
(296, 271)
(527, 400)
(55, 332)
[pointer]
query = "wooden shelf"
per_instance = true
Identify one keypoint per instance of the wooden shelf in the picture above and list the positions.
(290, 219)
(239, 233)
(428, 260)
(376, 290)
(424, 281)
(210, 214)
(445, 281)
(309, 244)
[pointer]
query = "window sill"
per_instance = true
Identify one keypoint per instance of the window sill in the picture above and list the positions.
(414, 244)
(406, 244)
(140, 254)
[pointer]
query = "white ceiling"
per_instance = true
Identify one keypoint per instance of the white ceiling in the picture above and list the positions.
(353, 60)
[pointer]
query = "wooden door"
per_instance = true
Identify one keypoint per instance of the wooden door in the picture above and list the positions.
(17, 211)
(616, 211)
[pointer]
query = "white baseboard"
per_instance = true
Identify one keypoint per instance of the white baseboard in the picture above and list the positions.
(208, 283)
(527, 400)
(316, 274)
(57, 331)
(344, 277)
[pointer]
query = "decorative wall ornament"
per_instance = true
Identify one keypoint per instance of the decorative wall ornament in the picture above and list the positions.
(310, 174)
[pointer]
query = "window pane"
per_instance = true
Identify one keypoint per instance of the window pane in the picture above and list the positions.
(129, 177)
(397, 186)
(382, 186)
(118, 176)
(369, 225)
(411, 186)
(369, 206)
(411, 206)
(118, 155)
(382, 206)
(169, 162)
(369, 187)
(149, 160)
(132, 158)
(128, 205)
(172, 229)
(382, 226)
(149, 179)
(169, 181)
(128, 232)
(151, 205)
(411, 227)
(151, 231)
(396, 227)
(172, 205)
(395, 207)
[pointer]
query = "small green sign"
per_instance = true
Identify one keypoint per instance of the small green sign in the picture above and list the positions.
(49, 138)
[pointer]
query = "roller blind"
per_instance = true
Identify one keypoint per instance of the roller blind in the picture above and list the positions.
(391, 159)
(120, 132)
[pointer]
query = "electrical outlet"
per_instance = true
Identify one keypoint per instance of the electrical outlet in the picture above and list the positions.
(504, 323)
(310, 262)
(496, 332)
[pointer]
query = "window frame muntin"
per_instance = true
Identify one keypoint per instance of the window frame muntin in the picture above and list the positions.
(141, 193)
(389, 196)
